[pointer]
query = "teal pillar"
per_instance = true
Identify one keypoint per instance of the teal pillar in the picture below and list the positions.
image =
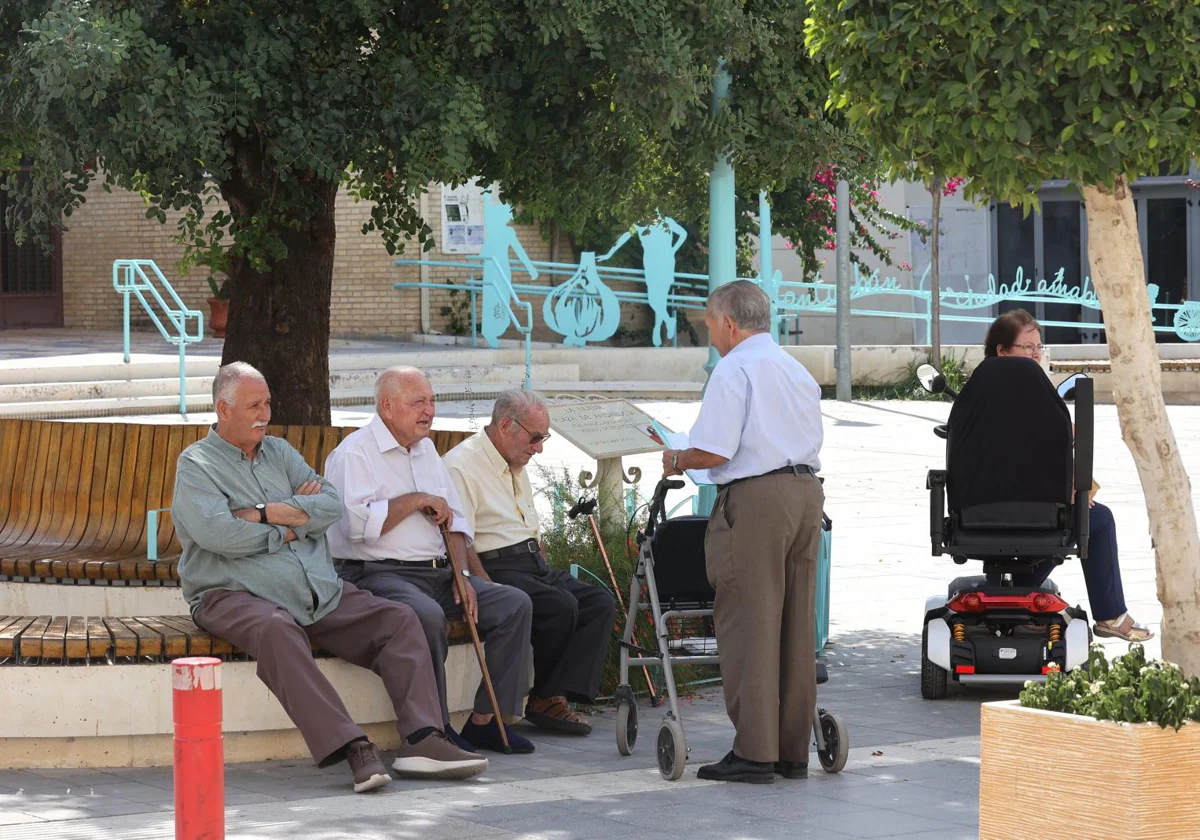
(766, 261)
(722, 226)
(722, 236)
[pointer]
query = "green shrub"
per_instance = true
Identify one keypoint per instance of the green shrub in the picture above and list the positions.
(1130, 689)
(908, 388)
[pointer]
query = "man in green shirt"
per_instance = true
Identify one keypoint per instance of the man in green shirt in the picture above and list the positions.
(251, 516)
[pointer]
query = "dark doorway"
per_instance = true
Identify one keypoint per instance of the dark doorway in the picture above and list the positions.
(30, 278)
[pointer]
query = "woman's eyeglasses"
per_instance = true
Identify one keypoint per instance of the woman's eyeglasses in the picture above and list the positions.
(1030, 349)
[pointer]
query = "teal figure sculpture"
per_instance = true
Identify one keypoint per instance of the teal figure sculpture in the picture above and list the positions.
(660, 241)
(583, 309)
(497, 274)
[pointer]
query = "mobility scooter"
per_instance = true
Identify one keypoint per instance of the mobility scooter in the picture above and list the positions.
(1014, 495)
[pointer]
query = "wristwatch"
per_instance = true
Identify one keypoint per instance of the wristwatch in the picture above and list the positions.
(675, 462)
(262, 512)
(466, 573)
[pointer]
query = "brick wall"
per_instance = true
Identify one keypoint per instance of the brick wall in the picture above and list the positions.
(112, 226)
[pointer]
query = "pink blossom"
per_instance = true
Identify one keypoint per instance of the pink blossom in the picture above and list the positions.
(952, 185)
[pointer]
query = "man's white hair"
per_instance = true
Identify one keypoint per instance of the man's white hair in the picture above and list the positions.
(391, 381)
(744, 302)
(228, 377)
(516, 403)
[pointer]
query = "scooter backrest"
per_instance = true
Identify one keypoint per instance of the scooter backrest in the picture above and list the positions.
(1009, 450)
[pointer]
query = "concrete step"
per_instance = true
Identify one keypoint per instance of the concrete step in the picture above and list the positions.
(648, 389)
(69, 398)
(101, 389)
(98, 367)
(345, 398)
(460, 375)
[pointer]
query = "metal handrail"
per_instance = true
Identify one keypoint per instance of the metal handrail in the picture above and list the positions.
(130, 278)
(479, 262)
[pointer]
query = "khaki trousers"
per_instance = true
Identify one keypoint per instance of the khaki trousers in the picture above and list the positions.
(761, 551)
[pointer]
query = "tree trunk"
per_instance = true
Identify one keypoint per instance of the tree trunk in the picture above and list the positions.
(935, 278)
(279, 319)
(1116, 261)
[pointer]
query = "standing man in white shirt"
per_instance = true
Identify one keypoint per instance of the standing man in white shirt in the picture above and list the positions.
(396, 494)
(759, 434)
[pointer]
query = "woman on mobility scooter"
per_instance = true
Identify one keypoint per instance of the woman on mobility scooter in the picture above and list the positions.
(1017, 333)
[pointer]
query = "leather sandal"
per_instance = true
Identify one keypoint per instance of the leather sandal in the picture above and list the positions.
(556, 715)
(1123, 627)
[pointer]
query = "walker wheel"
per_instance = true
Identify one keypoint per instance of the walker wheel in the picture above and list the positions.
(837, 742)
(672, 750)
(627, 726)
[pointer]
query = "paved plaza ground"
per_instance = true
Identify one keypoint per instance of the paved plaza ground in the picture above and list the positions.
(913, 770)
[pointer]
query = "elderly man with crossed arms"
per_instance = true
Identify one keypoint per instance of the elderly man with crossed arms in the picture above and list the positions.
(251, 517)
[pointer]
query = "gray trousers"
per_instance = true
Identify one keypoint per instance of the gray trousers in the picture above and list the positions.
(364, 630)
(761, 550)
(505, 617)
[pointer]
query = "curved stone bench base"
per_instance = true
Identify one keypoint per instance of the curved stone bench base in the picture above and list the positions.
(120, 715)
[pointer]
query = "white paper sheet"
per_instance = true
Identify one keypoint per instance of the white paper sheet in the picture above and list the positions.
(679, 440)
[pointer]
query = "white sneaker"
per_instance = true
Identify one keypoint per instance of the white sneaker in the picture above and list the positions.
(436, 757)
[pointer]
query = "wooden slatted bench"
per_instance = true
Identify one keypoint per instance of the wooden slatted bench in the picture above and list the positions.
(94, 640)
(74, 497)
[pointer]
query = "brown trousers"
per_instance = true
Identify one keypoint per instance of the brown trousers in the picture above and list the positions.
(761, 551)
(364, 630)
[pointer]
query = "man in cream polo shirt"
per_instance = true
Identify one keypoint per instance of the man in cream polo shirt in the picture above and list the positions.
(571, 620)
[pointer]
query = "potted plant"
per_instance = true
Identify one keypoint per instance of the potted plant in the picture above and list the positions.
(1111, 751)
(218, 306)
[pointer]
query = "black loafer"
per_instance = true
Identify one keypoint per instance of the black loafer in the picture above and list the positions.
(792, 769)
(734, 769)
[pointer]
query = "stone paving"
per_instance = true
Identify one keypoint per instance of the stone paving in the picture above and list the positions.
(913, 769)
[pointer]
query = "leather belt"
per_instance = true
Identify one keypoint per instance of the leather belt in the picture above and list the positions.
(435, 563)
(529, 547)
(790, 469)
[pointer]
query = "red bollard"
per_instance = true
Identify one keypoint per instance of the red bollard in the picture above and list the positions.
(199, 749)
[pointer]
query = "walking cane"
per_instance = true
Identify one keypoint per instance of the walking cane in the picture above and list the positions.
(460, 584)
(588, 508)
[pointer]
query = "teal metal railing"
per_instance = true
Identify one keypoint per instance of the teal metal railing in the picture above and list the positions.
(474, 287)
(130, 279)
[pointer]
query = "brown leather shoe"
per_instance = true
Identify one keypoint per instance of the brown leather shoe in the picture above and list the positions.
(556, 715)
(434, 756)
(366, 765)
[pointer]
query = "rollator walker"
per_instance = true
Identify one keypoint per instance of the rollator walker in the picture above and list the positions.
(670, 581)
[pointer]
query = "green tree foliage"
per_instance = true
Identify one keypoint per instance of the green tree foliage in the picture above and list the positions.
(1010, 93)
(273, 106)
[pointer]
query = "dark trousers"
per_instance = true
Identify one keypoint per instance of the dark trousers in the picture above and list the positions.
(364, 630)
(571, 625)
(1101, 571)
(504, 624)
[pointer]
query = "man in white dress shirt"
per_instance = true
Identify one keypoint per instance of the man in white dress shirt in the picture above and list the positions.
(759, 433)
(396, 493)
